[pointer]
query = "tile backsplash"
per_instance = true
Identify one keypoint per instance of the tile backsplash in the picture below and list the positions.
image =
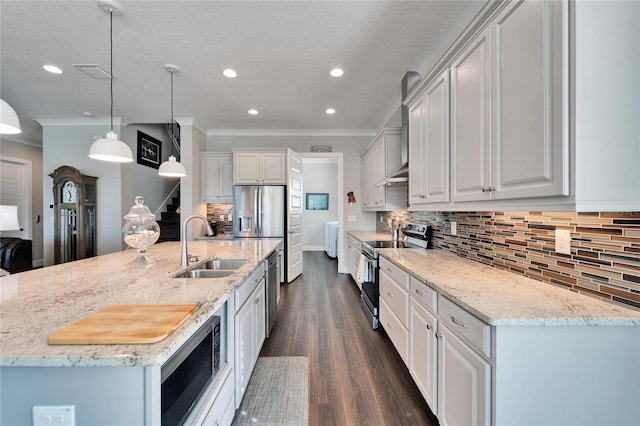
(605, 247)
(214, 211)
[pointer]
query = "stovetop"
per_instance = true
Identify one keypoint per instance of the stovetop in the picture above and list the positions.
(389, 244)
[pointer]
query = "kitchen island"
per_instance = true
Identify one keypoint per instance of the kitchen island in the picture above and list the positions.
(114, 383)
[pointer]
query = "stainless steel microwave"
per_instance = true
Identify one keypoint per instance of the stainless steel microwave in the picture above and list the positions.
(188, 372)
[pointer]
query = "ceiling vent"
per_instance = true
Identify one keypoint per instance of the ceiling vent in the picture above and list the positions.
(93, 71)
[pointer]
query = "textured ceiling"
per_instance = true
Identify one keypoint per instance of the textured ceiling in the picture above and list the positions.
(282, 51)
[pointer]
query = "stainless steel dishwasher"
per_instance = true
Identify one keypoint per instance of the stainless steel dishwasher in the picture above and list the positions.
(272, 289)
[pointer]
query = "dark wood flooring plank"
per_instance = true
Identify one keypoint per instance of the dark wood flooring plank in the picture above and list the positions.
(356, 377)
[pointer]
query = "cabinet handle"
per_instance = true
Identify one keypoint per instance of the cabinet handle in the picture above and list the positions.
(488, 189)
(457, 321)
(389, 294)
(438, 335)
(388, 269)
(428, 326)
(389, 326)
(419, 292)
(256, 301)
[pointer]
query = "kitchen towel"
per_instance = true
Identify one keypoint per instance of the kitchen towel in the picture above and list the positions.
(363, 274)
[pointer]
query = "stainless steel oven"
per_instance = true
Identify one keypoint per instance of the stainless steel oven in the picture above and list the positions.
(415, 236)
(188, 372)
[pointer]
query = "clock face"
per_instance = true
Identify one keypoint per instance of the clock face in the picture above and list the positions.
(69, 192)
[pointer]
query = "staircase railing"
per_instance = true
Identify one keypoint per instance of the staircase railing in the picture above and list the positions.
(173, 130)
(163, 205)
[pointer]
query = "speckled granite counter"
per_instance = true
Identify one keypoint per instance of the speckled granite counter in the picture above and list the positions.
(36, 303)
(370, 235)
(503, 298)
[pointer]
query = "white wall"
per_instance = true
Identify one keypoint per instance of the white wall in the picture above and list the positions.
(193, 142)
(318, 178)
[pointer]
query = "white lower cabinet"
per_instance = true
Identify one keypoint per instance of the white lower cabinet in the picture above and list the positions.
(355, 250)
(249, 322)
(223, 409)
(423, 349)
(464, 382)
(394, 306)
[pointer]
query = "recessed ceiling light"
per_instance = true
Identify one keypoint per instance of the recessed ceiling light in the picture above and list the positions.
(52, 69)
(330, 111)
(253, 111)
(229, 73)
(337, 72)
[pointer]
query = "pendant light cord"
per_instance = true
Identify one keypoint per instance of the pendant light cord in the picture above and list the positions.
(111, 63)
(172, 128)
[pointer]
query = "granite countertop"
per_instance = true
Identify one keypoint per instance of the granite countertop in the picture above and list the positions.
(36, 303)
(502, 298)
(370, 235)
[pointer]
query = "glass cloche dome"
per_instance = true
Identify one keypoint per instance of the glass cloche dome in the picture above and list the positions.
(140, 229)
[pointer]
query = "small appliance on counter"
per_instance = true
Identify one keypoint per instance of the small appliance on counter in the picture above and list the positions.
(214, 228)
(415, 236)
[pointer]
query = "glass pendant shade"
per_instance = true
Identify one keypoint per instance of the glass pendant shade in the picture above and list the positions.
(111, 149)
(172, 168)
(9, 121)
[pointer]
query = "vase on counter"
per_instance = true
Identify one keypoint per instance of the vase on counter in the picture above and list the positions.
(140, 230)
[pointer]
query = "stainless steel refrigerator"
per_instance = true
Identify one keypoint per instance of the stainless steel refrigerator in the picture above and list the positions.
(259, 212)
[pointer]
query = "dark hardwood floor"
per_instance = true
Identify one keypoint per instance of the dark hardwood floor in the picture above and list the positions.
(356, 377)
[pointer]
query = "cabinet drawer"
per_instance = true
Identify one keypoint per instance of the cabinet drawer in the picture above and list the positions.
(396, 273)
(424, 294)
(354, 242)
(247, 287)
(471, 329)
(396, 297)
(221, 404)
(398, 334)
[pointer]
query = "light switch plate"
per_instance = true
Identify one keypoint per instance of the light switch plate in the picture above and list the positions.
(351, 218)
(563, 241)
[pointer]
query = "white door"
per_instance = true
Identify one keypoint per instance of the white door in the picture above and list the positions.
(437, 139)
(14, 191)
(423, 347)
(417, 158)
(294, 216)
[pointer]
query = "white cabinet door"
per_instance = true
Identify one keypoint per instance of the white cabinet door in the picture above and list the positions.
(423, 349)
(246, 168)
(437, 139)
(354, 260)
(529, 108)
(417, 157)
(471, 121)
(217, 177)
(260, 315)
(378, 173)
(464, 382)
(273, 168)
(244, 339)
(365, 165)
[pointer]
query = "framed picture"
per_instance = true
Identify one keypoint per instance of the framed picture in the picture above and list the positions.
(149, 150)
(317, 201)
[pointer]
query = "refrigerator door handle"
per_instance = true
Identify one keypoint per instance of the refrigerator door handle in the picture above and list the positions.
(256, 211)
(260, 212)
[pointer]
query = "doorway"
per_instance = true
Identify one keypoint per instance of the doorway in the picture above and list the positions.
(323, 164)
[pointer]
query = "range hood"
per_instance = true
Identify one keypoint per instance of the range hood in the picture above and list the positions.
(401, 176)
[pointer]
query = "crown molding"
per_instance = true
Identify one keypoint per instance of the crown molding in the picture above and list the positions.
(117, 122)
(291, 132)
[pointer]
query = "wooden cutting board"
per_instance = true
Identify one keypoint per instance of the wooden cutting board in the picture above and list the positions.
(125, 324)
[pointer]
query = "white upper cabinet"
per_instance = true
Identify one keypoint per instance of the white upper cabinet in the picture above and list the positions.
(471, 121)
(259, 168)
(508, 108)
(216, 177)
(429, 144)
(381, 159)
(531, 147)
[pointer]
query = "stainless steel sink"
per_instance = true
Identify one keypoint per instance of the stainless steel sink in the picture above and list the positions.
(204, 273)
(227, 264)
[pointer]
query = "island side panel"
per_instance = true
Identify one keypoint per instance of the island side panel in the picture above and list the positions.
(560, 375)
(101, 395)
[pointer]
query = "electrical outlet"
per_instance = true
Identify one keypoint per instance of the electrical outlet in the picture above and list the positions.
(454, 228)
(563, 241)
(59, 415)
(221, 218)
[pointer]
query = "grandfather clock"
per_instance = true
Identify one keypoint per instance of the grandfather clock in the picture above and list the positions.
(74, 202)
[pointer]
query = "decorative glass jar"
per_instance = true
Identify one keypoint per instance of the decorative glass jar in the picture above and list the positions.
(140, 229)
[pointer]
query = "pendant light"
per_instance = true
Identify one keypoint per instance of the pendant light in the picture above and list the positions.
(110, 148)
(9, 121)
(172, 167)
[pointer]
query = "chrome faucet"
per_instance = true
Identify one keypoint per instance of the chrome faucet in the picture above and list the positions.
(184, 256)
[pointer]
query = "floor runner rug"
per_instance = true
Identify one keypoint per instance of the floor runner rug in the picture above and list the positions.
(277, 394)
